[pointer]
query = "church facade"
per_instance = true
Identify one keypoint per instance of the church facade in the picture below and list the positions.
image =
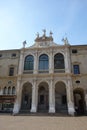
(46, 77)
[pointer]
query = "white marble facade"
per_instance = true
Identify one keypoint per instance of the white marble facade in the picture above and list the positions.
(45, 45)
(46, 87)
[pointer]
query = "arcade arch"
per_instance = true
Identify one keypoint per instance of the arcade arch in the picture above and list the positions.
(60, 97)
(26, 96)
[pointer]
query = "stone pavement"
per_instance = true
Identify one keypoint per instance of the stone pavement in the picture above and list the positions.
(8, 122)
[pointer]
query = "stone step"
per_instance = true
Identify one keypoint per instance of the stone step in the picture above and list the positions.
(42, 114)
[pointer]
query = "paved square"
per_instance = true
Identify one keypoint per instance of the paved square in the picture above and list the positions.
(8, 122)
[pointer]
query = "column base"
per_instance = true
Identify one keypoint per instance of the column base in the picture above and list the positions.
(71, 111)
(33, 109)
(51, 110)
(16, 109)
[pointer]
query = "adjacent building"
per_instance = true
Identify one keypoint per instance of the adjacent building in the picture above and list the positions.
(46, 77)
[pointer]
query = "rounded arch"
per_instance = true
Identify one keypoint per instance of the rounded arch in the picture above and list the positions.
(79, 101)
(26, 82)
(43, 81)
(60, 97)
(61, 82)
(44, 62)
(43, 97)
(45, 52)
(26, 96)
(9, 90)
(27, 54)
(13, 90)
(59, 52)
(59, 61)
(29, 62)
(5, 90)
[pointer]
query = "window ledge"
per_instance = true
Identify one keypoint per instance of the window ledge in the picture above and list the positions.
(43, 71)
(59, 70)
(28, 71)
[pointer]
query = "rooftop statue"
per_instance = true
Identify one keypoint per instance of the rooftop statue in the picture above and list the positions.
(65, 40)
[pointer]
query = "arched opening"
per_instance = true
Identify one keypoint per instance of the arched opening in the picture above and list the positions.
(60, 97)
(59, 65)
(43, 97)
(26, 96)
(79, 102)
(13, 90)
(43, 63)
(5, 90)
(9, 90)
(29, 63)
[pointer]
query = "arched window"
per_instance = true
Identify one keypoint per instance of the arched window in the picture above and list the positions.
(5, 90)
(59, 61)
(29, 62)
(9, 90)
(13, 90)
(43, 62)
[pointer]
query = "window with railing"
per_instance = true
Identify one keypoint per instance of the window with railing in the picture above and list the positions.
(43, 64)
(29, 64)
(59, 65)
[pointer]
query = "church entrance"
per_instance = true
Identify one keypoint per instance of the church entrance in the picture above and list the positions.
(26, 97)
(43, 96)
(60, 98)
(79, 101)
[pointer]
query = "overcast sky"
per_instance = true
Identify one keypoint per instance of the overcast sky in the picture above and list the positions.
(21, 19)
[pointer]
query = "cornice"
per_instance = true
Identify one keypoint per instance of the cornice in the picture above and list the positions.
(8, 77)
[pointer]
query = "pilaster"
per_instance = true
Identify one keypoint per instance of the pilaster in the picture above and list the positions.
(51, 61)
(20, 69)
(67, 60)
(36, 63)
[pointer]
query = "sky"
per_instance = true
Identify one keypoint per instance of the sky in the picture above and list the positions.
(20, 20)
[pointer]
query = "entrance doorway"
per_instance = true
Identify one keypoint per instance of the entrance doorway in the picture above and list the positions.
(60, 98)
(43, 95)
(26, 97)
(79, 101)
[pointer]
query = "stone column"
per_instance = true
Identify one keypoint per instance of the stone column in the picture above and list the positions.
(34, 97)
(51, 98)
(70, 102)
(67, 60)
(51, 63)
(17, 103)
(36, 63)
